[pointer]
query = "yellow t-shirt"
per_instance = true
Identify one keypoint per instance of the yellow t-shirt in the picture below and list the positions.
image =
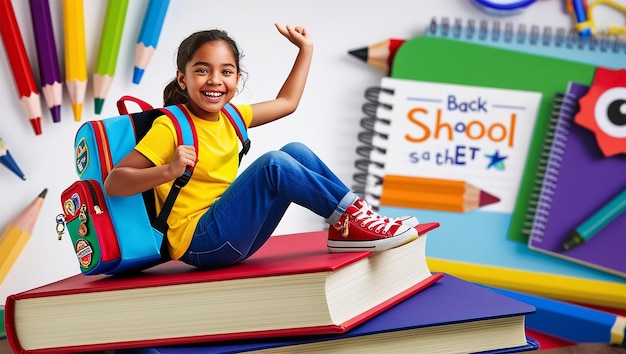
(218, 161)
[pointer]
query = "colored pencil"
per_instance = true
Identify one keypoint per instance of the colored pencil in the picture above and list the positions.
(433, 194)
(17, 233)
(110, 39)
(559, 287)
(7, 160)
(49, 72)
(20, 67)
(75, 54)
(149, 36)
(379, 55)
(575, 323)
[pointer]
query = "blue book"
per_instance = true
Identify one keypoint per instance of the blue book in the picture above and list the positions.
(451, 315)
(574, 323)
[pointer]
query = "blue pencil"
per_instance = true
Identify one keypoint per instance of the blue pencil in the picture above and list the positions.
(149, 36)
(571, 322)
(8, 161)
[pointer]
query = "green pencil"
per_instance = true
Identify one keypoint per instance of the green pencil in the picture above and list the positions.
(110, 39)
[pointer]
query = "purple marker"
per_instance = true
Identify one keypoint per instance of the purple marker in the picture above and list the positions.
(51, 84)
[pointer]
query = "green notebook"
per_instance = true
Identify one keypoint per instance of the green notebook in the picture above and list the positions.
(450, 61)
(492, 241)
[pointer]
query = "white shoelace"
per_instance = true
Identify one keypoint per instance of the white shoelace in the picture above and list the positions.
(373, 220)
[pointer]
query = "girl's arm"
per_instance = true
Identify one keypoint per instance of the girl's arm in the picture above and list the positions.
(290, 93)
(136, 173)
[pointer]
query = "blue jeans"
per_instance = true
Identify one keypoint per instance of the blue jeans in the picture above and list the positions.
(245, 216)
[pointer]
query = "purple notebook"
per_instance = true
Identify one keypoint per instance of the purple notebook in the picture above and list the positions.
(579, 181)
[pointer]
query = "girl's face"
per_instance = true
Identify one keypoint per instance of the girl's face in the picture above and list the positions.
(210, 79)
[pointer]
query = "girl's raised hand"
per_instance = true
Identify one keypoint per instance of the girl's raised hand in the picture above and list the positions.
(297, 35)
(184, 156)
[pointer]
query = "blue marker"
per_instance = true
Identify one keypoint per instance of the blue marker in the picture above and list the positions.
(597, 221)
(149, 36)
(581, 18)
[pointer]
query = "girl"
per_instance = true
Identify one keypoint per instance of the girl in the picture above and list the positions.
(219, 220)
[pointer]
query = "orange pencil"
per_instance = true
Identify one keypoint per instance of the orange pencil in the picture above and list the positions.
(433, 194)
(17, 233)
(379, 55)
(20, 66)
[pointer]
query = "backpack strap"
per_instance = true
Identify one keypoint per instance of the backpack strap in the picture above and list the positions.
(186, 135)
(236, 120)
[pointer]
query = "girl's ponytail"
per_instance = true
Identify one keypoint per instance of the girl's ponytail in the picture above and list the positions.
(173, 94)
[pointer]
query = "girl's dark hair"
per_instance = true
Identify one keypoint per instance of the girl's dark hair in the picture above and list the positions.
(172, 93)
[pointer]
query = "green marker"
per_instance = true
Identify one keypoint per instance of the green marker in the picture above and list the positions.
(110, 39)
(597, 221)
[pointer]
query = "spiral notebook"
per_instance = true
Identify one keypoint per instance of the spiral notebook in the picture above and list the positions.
(552, 42)
(566, 199)
(476, 243)
(546, 41)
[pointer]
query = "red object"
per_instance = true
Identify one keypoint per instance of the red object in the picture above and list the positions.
(22, 73)
(547, 341)
(281, 255)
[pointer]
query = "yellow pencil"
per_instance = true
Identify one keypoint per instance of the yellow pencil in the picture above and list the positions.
(433, 194)
(75, 54)
(17, 233)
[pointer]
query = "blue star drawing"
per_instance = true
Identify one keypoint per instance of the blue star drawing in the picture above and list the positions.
(497, 161)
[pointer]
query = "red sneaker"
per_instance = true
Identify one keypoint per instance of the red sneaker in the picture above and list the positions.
(361, 229)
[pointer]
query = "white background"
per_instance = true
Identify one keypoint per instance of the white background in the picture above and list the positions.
(327, 119)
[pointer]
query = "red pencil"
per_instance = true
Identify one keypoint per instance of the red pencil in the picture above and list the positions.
(22, 73)
(379, 55)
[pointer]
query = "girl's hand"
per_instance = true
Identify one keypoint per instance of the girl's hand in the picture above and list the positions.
(184, 156)
(296, 35)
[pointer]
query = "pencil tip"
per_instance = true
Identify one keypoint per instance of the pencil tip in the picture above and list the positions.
(361, 53)
(99, 103)
(55, 111)
(137, 75)
(36, 124)
(43, 193)
(77, 109)
(486, 198)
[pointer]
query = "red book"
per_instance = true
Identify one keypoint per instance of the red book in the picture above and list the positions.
(291, 286)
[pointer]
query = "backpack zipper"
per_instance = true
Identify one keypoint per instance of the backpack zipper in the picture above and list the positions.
(94, 196)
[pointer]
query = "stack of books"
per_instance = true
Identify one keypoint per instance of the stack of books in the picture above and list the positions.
(292, 295)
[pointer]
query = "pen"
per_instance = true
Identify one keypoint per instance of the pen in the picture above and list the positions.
(580, 12)
(597, 221)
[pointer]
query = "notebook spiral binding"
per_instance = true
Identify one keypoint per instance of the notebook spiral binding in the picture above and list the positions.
(495, 31)
(372, 139)
(548, 182)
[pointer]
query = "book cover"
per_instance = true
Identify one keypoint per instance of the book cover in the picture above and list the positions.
(452, 315)
(499, 68)
(262, 297)
(452, 152)
(566, 201)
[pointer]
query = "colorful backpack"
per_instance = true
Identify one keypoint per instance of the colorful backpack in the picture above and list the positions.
(113, 235)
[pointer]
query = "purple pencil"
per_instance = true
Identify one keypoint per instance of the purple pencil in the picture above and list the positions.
(51, 83)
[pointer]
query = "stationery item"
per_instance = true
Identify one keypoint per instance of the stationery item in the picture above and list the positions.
(51, 84)
(583, 290)
(583, 26)
(379, 55)
(20, 67)
(451, 316)
(110, 39)
(556, 42)
(16, 234)
(75, 54)
(2, 332)
(8, 161)
(502, 7)
(292, 286)
(149, 36)
(565, 207)
(483, 242)
(574, 323)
